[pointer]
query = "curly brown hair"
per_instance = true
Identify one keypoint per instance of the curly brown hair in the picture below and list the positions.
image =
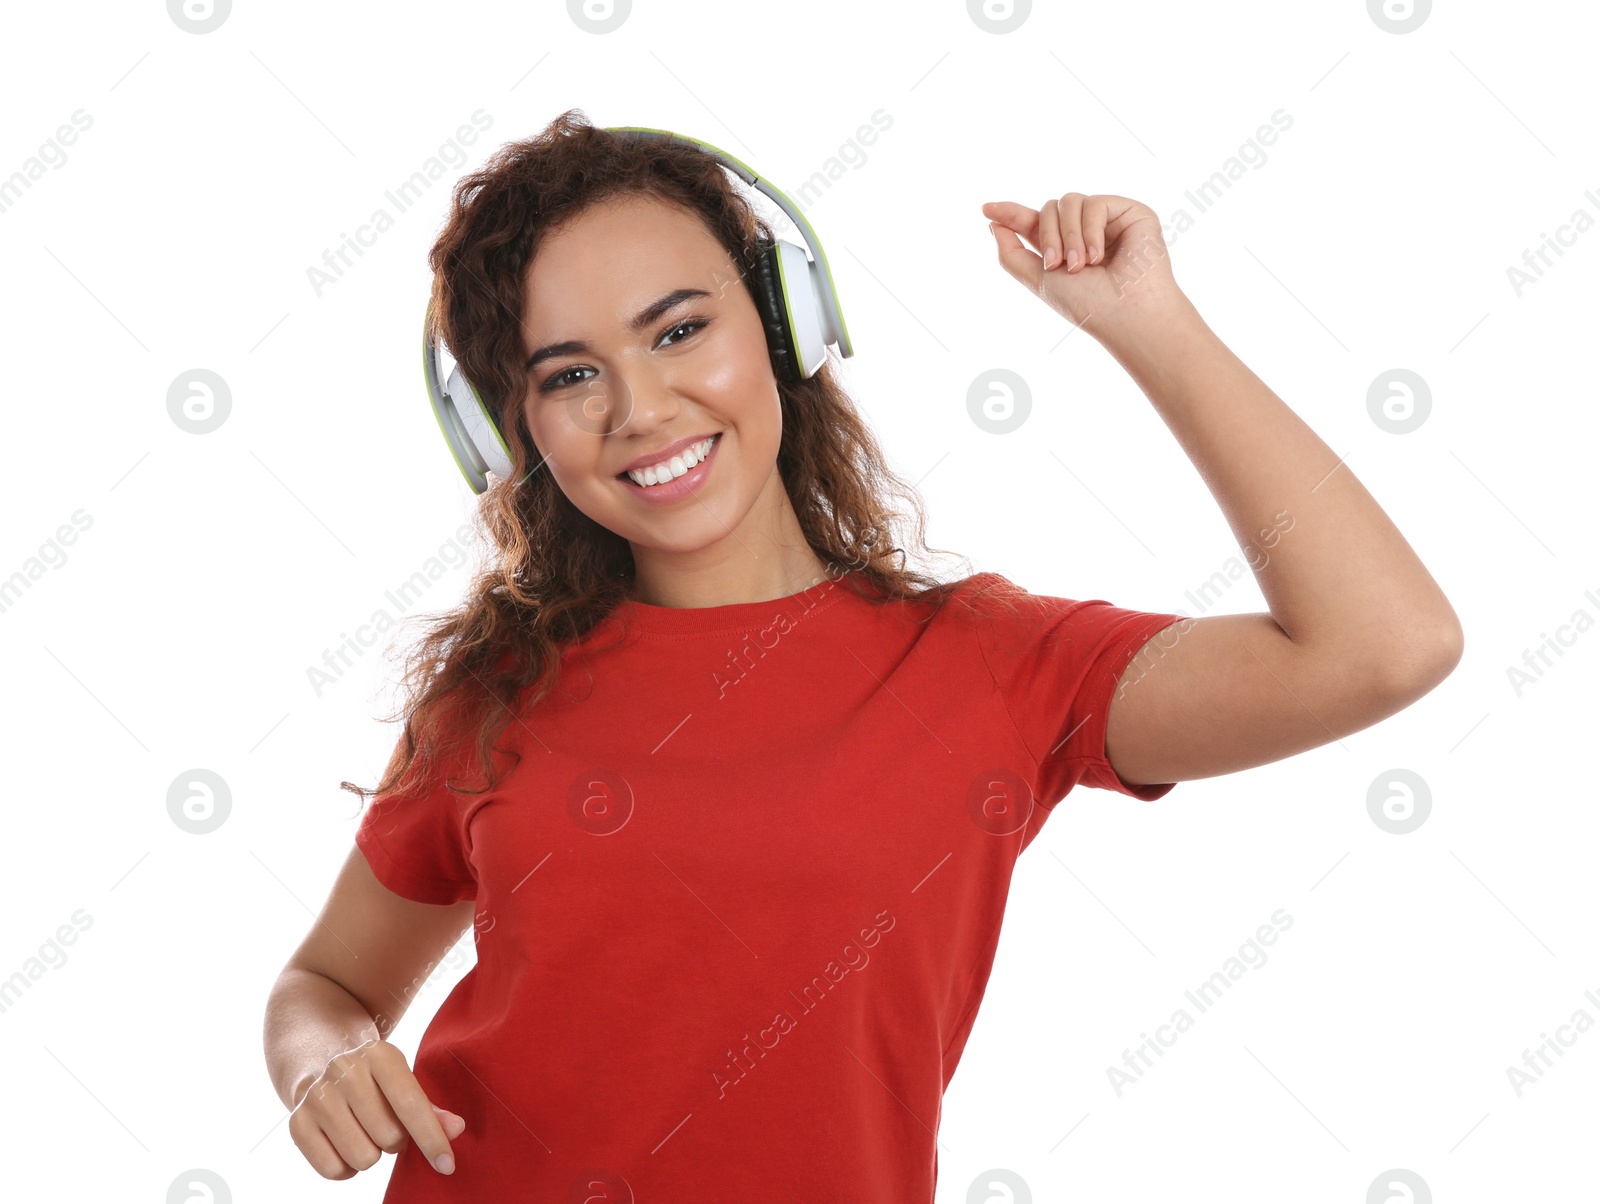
(555, 573)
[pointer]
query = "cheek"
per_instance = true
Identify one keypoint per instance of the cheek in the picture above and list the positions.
(728, 379)
(745, 390)
(556, 446)
(741, 357)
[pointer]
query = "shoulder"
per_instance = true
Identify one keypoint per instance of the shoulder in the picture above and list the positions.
(989, 597)
(985, 609)
(964, 596)
(1009, 621)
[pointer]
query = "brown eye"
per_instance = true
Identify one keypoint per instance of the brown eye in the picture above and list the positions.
(692, 325)
(555, 381)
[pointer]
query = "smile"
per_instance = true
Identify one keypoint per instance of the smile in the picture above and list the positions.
(676, 478)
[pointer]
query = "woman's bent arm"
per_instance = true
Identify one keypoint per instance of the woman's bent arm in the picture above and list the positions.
(354, 975)
(310, 1020)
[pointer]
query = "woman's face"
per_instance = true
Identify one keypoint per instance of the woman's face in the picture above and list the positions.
(605, 392)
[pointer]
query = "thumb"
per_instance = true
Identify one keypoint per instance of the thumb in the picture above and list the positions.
(452, 1124)
(1020, 263)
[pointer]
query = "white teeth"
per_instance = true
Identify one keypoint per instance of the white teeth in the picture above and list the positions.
(681, 463)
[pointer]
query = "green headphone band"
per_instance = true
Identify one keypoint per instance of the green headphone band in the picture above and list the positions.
(798, 303)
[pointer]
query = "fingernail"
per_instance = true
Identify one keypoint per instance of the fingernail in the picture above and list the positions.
(1049, 258)
(446, 1164)
(1072, 259)
(1094, 253)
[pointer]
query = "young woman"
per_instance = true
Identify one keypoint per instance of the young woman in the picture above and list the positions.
(731, 796)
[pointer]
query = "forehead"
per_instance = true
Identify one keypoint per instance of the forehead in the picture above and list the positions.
(614, 256)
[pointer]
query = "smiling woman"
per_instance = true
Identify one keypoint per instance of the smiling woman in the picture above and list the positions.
(621, 386)
(681, 856)
(677, 471)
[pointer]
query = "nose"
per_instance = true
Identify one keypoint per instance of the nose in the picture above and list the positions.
(643, 398)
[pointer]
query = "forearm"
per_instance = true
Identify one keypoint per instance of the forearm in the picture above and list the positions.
(1338, 576)
(309, 1020)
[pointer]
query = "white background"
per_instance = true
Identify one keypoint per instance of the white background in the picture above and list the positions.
(177, 631)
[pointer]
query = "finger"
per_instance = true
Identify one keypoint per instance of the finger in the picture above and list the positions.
(454, 1126)
(1020, 263)
(1051, 249)
(1071, 207)
(312, 1142)
(412, 1109)
(348, 1134)
(1120, 213)
(1094, 228)
(1016, 217)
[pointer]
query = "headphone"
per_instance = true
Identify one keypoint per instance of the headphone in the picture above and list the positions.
(796, 297)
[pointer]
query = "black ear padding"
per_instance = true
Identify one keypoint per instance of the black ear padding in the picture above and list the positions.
(769, 302)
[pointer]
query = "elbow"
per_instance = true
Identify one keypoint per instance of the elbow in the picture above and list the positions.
(1420, 664)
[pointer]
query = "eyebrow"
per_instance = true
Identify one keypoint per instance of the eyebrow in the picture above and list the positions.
(642, 319)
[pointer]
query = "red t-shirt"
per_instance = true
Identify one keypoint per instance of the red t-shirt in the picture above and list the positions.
(738, 903)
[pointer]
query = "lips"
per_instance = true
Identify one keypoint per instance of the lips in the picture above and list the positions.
(665, 454)
(673, 490)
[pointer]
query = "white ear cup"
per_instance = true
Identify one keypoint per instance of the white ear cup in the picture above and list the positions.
(482, 432)
(462, 416)
(807, 319)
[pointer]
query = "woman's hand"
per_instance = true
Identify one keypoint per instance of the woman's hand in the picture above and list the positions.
(366, 1102)
(1101, 261)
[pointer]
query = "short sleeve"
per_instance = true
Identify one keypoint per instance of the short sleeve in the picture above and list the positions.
(417, 843)
(1055, 663)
